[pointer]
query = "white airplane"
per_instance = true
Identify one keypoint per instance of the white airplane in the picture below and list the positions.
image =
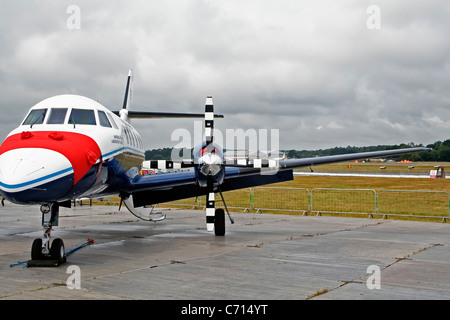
(69, 147)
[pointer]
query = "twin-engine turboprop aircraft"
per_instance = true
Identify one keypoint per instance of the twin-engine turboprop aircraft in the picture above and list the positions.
(70, 147)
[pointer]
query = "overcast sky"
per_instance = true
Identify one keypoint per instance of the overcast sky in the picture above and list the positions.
(325, 73)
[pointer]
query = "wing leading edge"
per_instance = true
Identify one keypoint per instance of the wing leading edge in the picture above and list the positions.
(307, 162)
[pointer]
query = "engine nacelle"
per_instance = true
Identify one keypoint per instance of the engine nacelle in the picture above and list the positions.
(209, 169)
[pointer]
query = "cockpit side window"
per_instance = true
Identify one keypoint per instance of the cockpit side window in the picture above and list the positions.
(82, 116)
(35, 117)
(112, 121)
(57, 116)
(103, 119)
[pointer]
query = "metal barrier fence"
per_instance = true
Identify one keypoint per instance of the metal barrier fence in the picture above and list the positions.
(237, 199)
(354, 201)
(383, 203)
(412, 203)
(281, 199)
(405, 203)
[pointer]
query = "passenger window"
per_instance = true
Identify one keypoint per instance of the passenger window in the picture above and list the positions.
(104, 122)
(35, 117)
(81, 116)
(57, 116)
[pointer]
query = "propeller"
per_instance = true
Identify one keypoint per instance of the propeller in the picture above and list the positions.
(210, 171)
(210, 165)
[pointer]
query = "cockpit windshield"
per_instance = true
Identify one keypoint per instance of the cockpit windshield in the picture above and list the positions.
(82, 116)
(54, 116)
(35, 117)
(57, 116)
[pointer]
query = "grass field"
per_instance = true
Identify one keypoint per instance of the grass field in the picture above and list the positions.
(374, 183)
(376, 166)
(296, 200)
(368, 183)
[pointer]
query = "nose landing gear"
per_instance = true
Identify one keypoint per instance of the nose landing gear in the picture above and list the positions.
(41, 249)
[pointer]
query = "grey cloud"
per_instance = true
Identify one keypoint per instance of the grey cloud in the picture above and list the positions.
(312, 69)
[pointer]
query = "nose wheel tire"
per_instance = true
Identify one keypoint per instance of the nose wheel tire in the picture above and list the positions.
(36, 250)
(57, 251)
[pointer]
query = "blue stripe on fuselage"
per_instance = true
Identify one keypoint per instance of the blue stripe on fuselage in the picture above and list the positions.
(122, 149)
(24, 184)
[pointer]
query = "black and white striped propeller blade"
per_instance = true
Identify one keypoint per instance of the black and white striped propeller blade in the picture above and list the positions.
(209, 138)
(209, 123)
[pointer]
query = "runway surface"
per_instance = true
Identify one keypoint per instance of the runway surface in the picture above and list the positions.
(262, 257)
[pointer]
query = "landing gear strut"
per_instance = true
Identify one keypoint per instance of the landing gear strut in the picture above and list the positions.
(41, 249)
(215, 218)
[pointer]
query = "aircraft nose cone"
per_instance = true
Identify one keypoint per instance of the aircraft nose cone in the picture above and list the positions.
(34, 175)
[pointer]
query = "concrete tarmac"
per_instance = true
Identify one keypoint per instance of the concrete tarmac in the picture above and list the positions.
(262, 256)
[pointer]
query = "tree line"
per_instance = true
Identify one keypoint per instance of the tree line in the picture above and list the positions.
(440, 152)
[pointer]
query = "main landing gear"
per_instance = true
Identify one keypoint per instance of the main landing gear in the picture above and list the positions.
(41, 249)
(219, 222)
(215, 218)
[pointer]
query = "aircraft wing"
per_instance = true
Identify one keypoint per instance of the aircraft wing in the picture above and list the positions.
(308, 162)
(164, 187)
(254, 167)
(159, 188)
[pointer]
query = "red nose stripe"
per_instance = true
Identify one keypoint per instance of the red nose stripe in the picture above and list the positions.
(81, 150)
